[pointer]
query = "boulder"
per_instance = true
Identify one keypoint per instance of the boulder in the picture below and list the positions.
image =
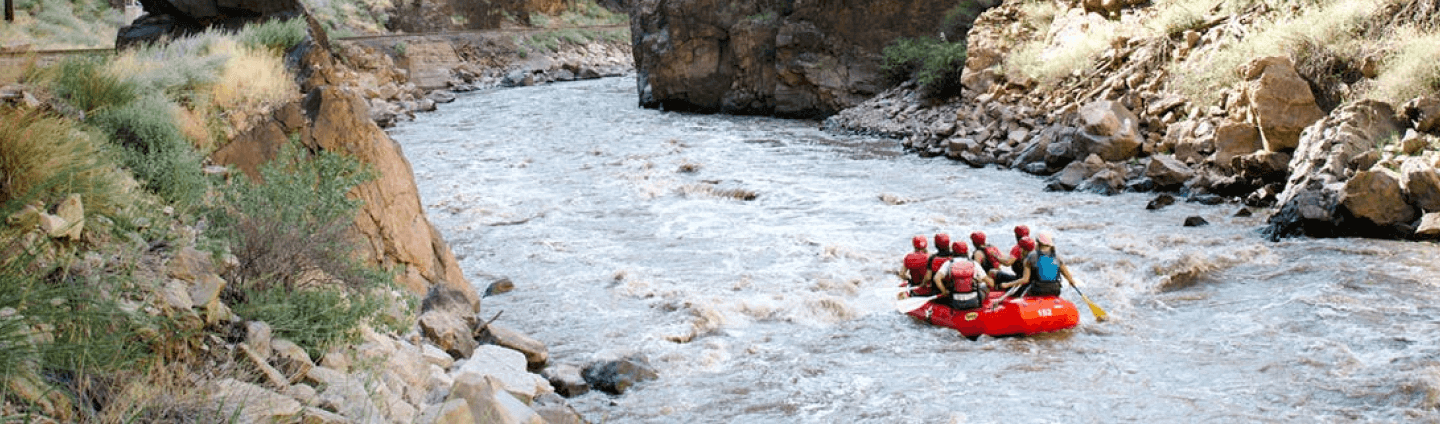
(554, 410)
(1079, 171)
(501, 286)
(189, 264)
(1280, 101)
(351, 396)
(507, 367)
(175, 296)
(1107, 181)
(1195, 221)
(488, 400)
(1160, 202)
(259, 335)
(453, 411)
(536, 354)
(242, 402)
(313, 415)
(72, 210)
(1234, 139)
(566, 379)
(450, 332)
(1422, 184)
(436, 356)
(1424, 113)
(1061, 151)
(1263, 166)
(1109, 130)
(1379, 197)
(1167, 172)
(1413, 143)
(290, 358)
(272, 375)
(616, 376)
(1429, 226)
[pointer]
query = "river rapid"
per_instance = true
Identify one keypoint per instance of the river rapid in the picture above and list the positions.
(627, 231)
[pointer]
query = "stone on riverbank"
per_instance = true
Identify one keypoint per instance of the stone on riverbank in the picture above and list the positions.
(536, 354)
(1280, 101)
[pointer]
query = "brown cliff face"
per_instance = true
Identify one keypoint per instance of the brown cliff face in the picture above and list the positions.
(803, 58)
(391, 222)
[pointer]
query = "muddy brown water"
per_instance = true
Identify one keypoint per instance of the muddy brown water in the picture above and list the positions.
(625, 231)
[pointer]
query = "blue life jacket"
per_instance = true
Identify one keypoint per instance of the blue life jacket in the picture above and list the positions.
(1048, 269)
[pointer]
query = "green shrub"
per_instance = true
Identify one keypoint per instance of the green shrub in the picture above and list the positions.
(289, 231)
(313, 319)
(82, 83)
(155, 150)
(275, 34)
(957, 21)
(588, 12)
(936, 65)
(538, 19)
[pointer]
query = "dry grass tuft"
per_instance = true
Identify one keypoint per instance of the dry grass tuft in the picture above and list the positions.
(230, 81)
(251, 79)
(1342, 27)
(1071, 44)
(1411, 69)
(44, 158)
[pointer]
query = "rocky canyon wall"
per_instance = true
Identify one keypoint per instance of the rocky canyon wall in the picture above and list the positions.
(796, 58)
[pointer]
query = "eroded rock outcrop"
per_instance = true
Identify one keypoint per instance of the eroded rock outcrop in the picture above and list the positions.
(391, 222)
(805, 58)
(1340, 185)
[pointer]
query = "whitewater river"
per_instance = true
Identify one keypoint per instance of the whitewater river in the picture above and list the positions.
(626, 231)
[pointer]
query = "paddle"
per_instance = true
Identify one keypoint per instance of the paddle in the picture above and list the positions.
(1008, 295)
(912, 303)
(1094, 309)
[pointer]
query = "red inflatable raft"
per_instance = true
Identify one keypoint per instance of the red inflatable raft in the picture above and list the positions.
(1014, 316)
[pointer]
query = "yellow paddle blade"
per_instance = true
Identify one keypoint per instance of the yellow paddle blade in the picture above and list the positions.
(1094, 309)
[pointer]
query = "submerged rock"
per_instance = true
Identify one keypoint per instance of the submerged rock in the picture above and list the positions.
(617, 376)
(1160, 202)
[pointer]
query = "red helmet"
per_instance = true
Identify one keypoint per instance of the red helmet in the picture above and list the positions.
(918, 242)
(959, 249)
(978, 238)
(1027, 243)
(942, 240)
(1021, 231)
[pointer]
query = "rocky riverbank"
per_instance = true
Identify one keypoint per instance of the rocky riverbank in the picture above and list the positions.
(452, 367)
(1360, 168)
(401, 76)
(441, 363)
